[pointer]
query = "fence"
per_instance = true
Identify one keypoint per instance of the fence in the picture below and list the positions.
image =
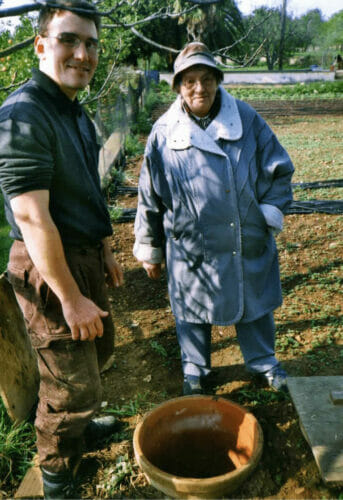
(117, 109)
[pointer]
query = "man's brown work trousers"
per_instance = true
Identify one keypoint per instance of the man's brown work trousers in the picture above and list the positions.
(70, 387)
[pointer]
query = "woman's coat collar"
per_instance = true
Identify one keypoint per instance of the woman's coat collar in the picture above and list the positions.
(183, 132)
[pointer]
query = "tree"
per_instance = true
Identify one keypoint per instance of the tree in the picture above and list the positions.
(217, 25)
(332, 32)
(276, 34)
(132, 30)
(15, 65)
(309, 27)
(282, 32)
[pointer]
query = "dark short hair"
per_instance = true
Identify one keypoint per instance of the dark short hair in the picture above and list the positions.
(217, 74)
(52, 7)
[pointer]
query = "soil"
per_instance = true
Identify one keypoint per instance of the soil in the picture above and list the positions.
(147, 368)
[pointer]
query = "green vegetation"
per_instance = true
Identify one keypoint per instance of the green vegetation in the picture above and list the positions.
(262, 397)
(114, 476)
(156, 95)
(136, 406)
(16, 449)
(115, 212)
(159, 349)
(311, 90)
(242, 41)
(315, 145)
(133, 146)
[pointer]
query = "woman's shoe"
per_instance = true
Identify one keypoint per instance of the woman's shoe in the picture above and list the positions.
(192, 385)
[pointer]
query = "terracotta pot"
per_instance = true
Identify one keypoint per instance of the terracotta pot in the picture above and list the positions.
(197, 446)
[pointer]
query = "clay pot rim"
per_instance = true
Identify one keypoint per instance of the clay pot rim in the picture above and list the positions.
(188, 481)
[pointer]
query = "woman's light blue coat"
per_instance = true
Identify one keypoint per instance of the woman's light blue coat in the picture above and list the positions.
(210, 201)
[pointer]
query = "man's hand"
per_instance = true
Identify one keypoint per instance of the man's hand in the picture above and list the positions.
(153, 270)
(112, 267)
(84, 318)
(115, 273)
(43, 241)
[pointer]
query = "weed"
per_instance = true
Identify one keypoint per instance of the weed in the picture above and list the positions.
(133, 147)
(287, 342)
(156, 346)
(260, 397)
(115, 212)
(132, 408)
(114, 476)
(118, 176)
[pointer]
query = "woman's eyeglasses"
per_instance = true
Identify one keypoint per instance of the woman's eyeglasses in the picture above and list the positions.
(191, 83)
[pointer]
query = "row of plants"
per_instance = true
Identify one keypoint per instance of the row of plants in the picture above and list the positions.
(297, 91)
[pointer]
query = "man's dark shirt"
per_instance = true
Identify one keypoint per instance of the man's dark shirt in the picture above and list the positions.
(48, 142)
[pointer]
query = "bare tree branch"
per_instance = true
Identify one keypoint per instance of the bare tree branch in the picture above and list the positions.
(242, 64)
(16, 47)
(160, 14)
(101, 92)
(18, 11)
(155, 44)
(224, 50)
(13, 85)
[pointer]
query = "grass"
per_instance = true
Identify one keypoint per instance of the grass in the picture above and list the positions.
(16, 449)
(136, 406)
(314, 144)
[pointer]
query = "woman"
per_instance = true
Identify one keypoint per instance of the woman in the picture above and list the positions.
(212, 191)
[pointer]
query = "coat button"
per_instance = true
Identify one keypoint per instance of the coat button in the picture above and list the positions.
(234, 253)
(232, 224)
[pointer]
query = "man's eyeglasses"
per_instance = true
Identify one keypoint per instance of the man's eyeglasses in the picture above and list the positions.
(72, 41)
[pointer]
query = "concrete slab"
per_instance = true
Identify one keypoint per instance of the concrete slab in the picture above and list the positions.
(321, 421)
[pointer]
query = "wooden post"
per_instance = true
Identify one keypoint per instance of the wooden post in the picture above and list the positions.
(19, 379)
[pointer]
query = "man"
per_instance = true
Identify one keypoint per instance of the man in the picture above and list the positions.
(213, 188)
(60, 224)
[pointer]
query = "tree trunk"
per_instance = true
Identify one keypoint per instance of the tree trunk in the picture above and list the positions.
(282, 34)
